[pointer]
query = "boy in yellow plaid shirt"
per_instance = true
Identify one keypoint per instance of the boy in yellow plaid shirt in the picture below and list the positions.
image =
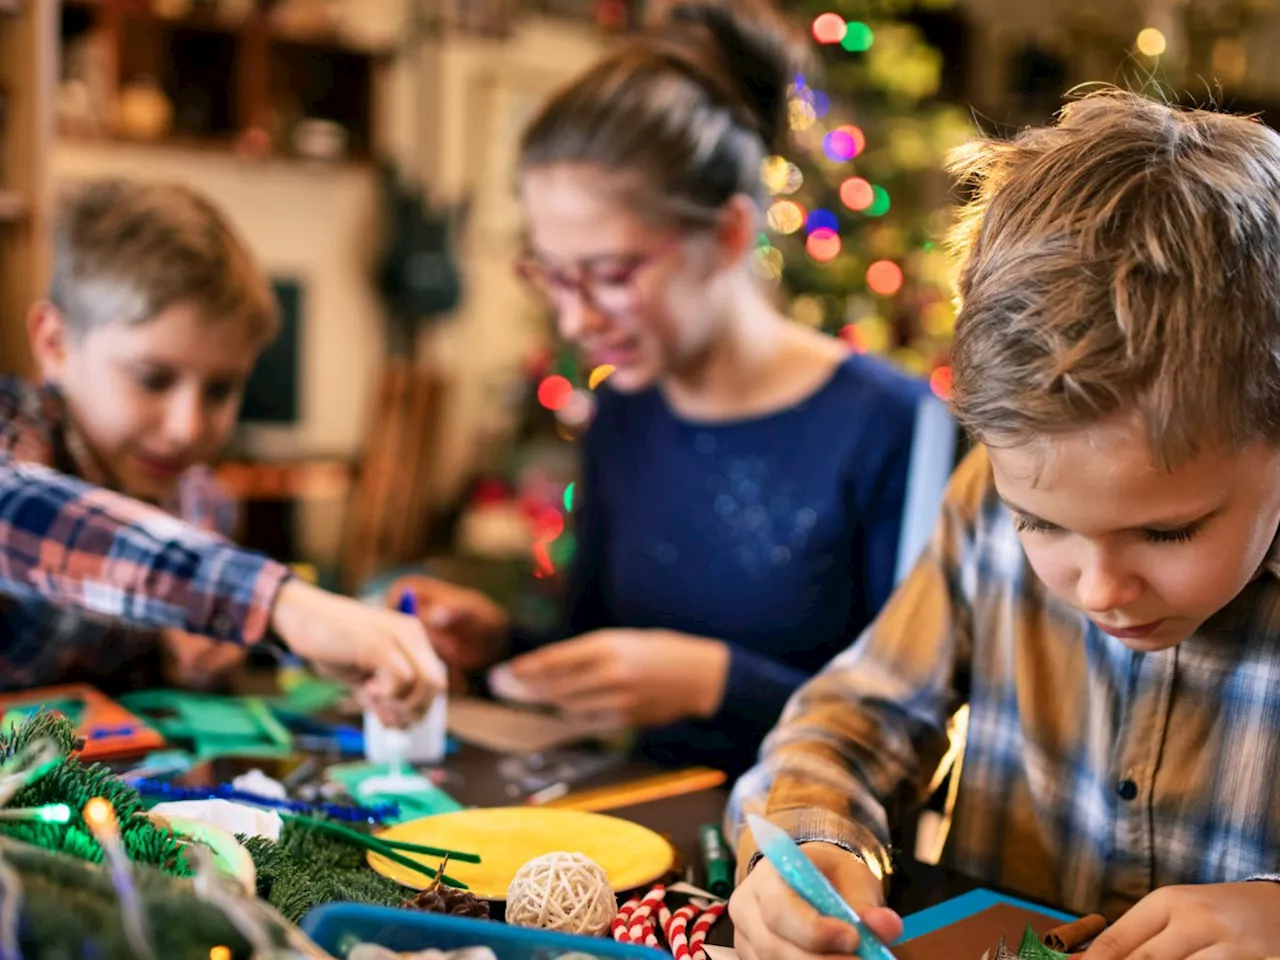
(1103, 586)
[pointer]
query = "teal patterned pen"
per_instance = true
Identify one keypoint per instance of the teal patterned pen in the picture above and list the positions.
(815, 889)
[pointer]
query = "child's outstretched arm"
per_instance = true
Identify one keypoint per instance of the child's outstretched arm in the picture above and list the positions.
(871, 725)
(83, 547)
(86, 548)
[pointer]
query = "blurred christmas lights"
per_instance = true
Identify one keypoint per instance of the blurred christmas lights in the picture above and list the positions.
(824, 245)
(829, 28)
(554, 392)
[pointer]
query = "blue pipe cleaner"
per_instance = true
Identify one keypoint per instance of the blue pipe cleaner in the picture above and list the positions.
(372, 813)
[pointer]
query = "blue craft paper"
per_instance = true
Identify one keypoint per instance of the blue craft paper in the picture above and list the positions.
(966, 905)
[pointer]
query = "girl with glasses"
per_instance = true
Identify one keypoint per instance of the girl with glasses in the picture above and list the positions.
(743, 482)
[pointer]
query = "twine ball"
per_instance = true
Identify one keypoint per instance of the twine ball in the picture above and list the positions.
(562, 891)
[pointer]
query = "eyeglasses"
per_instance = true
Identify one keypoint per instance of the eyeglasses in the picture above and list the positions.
(608, 287)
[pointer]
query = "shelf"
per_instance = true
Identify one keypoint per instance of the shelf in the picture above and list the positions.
(220, 77)
(210, 146)
(208, 22)
(13, 209)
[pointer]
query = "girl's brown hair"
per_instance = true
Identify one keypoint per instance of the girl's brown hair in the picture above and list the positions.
(688, 110)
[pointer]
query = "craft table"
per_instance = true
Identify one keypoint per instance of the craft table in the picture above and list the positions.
(476, 781)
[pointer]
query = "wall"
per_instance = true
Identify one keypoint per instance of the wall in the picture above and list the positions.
(486, 90)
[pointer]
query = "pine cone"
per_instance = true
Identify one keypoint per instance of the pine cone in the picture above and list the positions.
(438, 898)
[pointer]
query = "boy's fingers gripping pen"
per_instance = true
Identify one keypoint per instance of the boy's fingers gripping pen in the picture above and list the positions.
(808, 882)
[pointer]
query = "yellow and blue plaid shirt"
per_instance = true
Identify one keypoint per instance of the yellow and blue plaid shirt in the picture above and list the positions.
(1091, 774)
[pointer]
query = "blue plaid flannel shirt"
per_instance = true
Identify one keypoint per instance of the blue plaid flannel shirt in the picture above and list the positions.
(1091, 774)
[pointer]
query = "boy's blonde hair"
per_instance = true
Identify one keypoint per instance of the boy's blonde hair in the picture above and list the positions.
(1126, 258)
(124, 250)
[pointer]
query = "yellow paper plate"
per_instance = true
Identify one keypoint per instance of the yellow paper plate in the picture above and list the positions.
(506, 838)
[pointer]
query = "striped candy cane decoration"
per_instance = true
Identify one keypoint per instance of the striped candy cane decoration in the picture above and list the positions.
(648, 904)
(700, 930)
(623, 920)
(677, 931)
(650, 935)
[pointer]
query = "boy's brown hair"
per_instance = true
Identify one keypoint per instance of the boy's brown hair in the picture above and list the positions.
(1126, 258)
(125, 250)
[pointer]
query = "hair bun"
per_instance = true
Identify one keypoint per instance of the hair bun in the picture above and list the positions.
(757, 53)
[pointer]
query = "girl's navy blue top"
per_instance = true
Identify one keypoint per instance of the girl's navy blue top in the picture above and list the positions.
(776, 534)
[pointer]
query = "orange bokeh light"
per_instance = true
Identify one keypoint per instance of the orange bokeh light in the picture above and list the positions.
(857, 194)
(884, 277)
(824, 245)
(829, 28)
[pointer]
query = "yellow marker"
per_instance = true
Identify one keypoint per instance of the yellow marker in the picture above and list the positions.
(600, 374)
(646, 790)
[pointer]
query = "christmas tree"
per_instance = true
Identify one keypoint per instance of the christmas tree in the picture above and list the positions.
(861, 200)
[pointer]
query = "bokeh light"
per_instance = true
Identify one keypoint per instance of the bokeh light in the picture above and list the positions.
(808, 311)
(769, 261)
(568, 498)
(824, 245)
(795, 179)
(884, 277)
(839, 146)
(786, 216)
(856, 135)
(829, 28)
(940, 382)
(773, 173)
(802, 115)
(599, 375)
(856, 194)
(821, 220)
(880, 202)
(1151, 42)
(554, 392)
(854, 336)
(577, 409)
(858, 37)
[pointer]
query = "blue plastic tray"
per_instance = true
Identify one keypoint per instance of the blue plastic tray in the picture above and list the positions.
(338, 927)
(961, 908)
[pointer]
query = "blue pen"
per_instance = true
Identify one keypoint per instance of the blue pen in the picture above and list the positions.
(408, 603)
(815, 889)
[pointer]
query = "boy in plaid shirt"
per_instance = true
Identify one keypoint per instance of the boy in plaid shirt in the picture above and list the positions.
(1103, 586)
(156, 315)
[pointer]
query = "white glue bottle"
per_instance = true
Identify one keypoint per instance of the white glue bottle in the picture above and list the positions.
(422, 743)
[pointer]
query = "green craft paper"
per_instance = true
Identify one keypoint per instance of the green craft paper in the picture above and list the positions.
(413, 806)
(309, 695)
(1033, 949)
(216, 726)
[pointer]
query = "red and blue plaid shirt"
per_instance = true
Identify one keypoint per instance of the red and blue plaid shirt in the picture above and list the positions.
(88, 577)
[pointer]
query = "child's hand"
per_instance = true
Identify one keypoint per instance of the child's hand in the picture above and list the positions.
(384, 655)
(770, 922)
(193, 661)
(467, 629)
(633, 678)
(1221, 921)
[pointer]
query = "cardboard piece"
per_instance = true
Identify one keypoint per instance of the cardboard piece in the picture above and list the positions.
(504, 729)
(973, 936)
